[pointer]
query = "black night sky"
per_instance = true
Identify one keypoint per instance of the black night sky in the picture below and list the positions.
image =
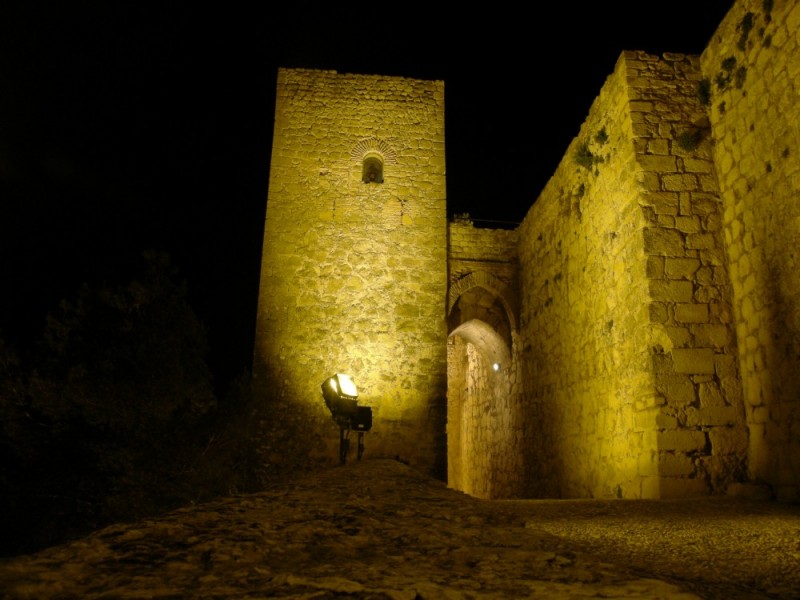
(131, 126)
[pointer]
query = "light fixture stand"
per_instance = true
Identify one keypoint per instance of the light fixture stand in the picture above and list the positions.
(341, 398)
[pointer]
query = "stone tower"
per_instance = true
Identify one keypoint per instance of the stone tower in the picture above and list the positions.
(354, 265)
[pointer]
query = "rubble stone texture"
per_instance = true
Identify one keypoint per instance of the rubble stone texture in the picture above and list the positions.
(354, 274)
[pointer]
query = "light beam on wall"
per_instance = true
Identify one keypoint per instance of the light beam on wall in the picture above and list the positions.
(488, 342)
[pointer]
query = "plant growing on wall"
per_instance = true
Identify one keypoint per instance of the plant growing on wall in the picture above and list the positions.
(583, 156)
(704, 91)
(725, 75)
(741, 75)
(729, 63)
(689, 140)
(745, 26)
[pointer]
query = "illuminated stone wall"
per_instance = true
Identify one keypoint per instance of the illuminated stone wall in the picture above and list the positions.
(643, 318)
(628, 347)
(700, 435)
(354, 274)
(752, 70)
(583, 303)
(483, 425)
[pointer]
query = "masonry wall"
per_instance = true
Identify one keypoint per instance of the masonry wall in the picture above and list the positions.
(354, 274)
(752, 83)
(644, 315)
(700, 437)
(483, 419)
(583, 300)
(628, 345)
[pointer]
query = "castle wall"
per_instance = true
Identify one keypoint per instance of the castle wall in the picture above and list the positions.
(699, 434)
(752, 73)
(643, 318)
(583, 298)
(483, 416)
(354, 274)
(628, 350)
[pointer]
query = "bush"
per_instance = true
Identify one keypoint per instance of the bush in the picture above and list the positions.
(111, 421)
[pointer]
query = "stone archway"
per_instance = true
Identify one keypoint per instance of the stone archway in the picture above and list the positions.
(481, 411)
(486, 283)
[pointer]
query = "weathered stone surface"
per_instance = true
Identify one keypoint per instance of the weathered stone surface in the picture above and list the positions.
(694, 360)
(753, 120)
(362, 266)
(646, 267)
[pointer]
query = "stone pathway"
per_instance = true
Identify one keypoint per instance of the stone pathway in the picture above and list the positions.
(377, 529)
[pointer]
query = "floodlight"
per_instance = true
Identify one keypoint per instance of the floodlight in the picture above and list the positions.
(341, 398)
(362, 419)
(341, 395)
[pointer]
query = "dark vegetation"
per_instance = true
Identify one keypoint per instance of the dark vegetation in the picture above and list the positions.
(111, 416)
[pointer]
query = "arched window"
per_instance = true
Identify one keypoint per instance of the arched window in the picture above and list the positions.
(372, 169)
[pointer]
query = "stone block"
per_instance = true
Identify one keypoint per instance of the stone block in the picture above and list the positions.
(710, 395)
(681, 440)
(666, 242)
(655, 267)
(713, 223)
(681, 268)
(728, 440)
(693, 360)
(701, 241)
(674, 465)
(663, 203)
(707, 294)
(678, 390)
(679, 336)
(731, 390)
(666, 221)
(688, 224)
(684, 182)
(696, 165)
(659, 163)
(686, 312)
(710, 416)
(671, 291)
(658, 312)
(666, 421)
(658, 146)
(716, 336)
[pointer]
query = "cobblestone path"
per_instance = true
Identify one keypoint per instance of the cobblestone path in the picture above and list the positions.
(378, 529)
